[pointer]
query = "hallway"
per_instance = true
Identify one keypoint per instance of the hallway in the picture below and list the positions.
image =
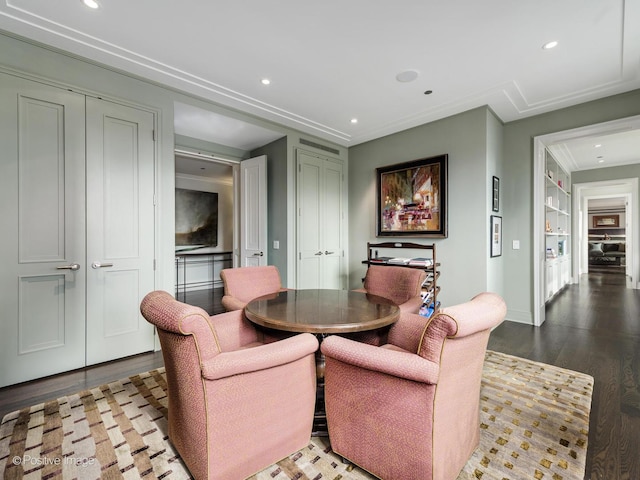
(593, 327)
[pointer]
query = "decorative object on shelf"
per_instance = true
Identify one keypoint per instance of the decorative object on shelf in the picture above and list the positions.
(412, 198)
(547, 227)
(496, 194)
(496, 236)
(612, 220)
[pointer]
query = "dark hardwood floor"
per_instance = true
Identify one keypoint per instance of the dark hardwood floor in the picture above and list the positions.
(591, 327)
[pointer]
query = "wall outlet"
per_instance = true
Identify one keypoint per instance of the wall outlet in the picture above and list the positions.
(276, 244)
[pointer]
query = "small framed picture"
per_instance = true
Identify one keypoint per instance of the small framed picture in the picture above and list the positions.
(496, 236)
(496, 194)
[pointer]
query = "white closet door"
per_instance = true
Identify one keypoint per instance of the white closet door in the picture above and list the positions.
(320, 222)
(42, 246)
(120, 229)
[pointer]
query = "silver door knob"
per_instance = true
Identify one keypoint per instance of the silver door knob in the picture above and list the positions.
(259, 254)
(328, 253)
(318, 253)
(73, 266)
(101, 265)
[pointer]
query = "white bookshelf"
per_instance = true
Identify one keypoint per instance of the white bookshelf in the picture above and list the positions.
(557, 226)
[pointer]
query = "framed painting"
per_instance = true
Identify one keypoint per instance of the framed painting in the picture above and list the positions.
(196, 217)
(412, 198)
(496, 194)
(611, 221)
(496, 236)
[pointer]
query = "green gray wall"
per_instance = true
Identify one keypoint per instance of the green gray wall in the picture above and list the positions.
(608, 173)
(479, 146)
(469, 139)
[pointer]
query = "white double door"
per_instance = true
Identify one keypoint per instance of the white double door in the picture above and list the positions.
(320, 225)
(77, 246)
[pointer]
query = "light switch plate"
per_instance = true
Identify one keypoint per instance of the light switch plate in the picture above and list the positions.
(516, 244)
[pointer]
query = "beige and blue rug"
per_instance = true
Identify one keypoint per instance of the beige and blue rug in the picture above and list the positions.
(534, 424)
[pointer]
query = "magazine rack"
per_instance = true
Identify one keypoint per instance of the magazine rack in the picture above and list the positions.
(428, 263)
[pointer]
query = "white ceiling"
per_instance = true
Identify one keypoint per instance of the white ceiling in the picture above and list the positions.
(332, 61)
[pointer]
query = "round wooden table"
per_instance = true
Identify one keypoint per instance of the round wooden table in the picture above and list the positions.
(322, 312)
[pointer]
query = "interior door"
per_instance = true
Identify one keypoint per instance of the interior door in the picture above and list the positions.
(42, 246)
(120, 229)
(320, 222)
(253, 207)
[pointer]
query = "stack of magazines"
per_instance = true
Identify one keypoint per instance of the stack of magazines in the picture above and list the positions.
(426, 310)
(421, 262)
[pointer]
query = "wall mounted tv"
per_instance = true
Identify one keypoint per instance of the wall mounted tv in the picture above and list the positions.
(196, 219)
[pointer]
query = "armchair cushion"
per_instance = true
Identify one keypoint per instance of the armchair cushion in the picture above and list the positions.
(398, 284)
(241, 285)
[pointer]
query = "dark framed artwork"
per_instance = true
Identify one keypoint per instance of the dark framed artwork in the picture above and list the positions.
(603, 221)
(496, 194)
(196, 219)
(496, 235)
(412, 198)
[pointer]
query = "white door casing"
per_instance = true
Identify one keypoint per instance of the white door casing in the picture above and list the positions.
(120, 229)
(42, 249)
(253, 212)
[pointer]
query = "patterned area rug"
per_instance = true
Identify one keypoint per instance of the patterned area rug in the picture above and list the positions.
(534, 424)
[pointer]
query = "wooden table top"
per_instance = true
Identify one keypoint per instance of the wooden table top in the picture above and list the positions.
(322, 311)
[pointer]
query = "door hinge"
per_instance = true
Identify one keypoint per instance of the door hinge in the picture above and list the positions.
(155, 200)
(154, 264)
(153, 135)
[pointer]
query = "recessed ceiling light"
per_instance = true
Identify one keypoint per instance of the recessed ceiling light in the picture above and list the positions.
(597, 145)
(601, 161)
(354, 120)
(91, 3)
(407, 76)
(550, 45)
(265, 81)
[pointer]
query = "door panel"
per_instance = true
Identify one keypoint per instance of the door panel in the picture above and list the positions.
(120, 229)
(253, 204)
(332, 226)
(42, 327)
(310, 254)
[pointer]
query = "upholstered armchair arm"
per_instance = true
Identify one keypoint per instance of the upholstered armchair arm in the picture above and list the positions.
(259, 358)
(397, 363)
(232, 303)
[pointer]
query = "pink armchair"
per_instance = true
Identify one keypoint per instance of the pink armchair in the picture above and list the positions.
(236, 405)
(410, 409)
(401, 285)
(243, 284)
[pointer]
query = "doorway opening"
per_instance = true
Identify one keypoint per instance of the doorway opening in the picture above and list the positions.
(575, 151)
